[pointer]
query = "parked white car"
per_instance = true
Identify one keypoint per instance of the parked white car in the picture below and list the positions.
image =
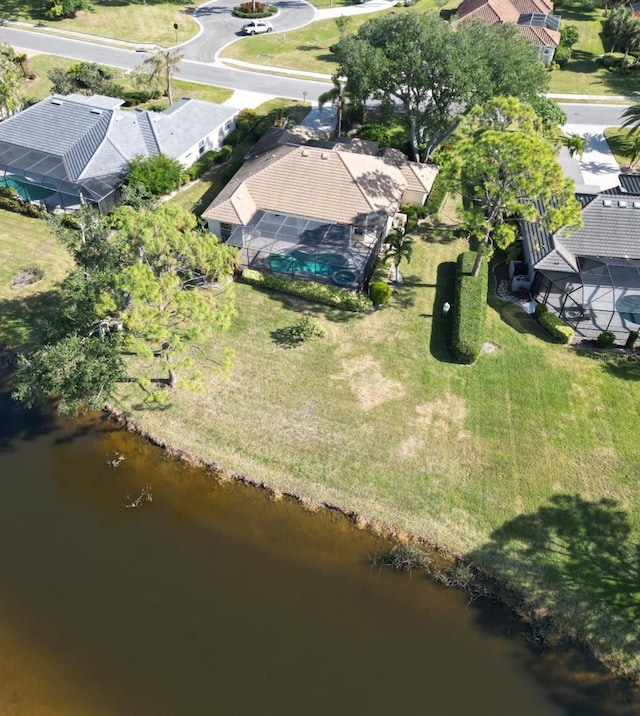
(255, 27)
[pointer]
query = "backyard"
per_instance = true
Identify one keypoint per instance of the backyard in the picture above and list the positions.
(377, 419)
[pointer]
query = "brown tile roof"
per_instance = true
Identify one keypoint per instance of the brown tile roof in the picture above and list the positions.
(525, 7)
(318, 183)
(491, 11)
(540, 35)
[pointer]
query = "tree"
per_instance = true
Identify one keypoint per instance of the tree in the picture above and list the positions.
(550, 112)
(139, 288)
(59, 9)
(631, 118)
(506, 171)
(435, 72)
(340, 96)
(623, 28)
(158, 175)
(11, 98)
(84, 78)
(80, 372)
(569, 35)
(157, 72)
(576, 144)
(399, 248)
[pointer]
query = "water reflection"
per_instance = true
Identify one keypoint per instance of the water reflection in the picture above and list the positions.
(214, 599)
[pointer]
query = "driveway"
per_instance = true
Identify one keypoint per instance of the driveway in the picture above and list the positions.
(597, 166)
(220, 27)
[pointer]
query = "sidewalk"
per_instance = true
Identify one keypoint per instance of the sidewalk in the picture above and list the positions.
(328, 13)
(594, 97)
(241, 64)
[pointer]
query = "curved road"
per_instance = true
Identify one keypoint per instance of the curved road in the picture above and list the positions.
(220, 27)
(192, 70)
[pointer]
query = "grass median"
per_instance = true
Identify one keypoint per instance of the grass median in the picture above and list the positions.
(377, 419)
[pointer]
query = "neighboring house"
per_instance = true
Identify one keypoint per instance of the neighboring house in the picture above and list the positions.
(534, 19)
(590, 278)
(70, 149)
(318, 210)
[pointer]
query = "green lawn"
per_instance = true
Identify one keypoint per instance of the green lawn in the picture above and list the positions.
(26, 244)
(621, 144)
(377, 419)
(40, 88)
(307, 48)
(149, 22)
(582, 74)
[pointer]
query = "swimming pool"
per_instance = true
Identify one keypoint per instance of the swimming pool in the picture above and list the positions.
(26, 190)
(301, 262)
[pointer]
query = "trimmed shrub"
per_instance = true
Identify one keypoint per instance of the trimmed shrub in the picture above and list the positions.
(262, 9)
(202, 165)
(436, 197)
(612, 59)
(606, 339)
(556, 327)
(11, 201)
(631, 340)
(470, 308)
(414, 212)
(311, 291)
(224, 153)
(541, 308)
(562, 55)
(379, 292)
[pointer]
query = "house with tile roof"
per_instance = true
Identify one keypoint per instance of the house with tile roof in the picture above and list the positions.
(315, 209)
(591, 277)
(72, 149)
(534, 20)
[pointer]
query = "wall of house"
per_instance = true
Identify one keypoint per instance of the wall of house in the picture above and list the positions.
(413, 197)
(213, 141)
(545, 54)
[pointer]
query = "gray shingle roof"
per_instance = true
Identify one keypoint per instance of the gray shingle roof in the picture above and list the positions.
(74, 139)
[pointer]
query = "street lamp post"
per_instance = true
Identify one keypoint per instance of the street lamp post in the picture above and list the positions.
(304, 96)
(175, 27)
(342, 81)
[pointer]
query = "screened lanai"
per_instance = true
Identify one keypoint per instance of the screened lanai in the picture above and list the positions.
(603, 296)
(305, 248)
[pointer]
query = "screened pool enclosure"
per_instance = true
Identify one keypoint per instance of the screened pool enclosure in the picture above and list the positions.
(603, 296)
(304, 248)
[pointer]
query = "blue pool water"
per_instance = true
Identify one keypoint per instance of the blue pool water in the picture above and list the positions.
(300, 262)
(27, 191)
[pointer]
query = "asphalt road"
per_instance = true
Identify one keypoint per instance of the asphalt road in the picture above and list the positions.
(597, 115)
(196, 69)
(212, 74)
(220, 27)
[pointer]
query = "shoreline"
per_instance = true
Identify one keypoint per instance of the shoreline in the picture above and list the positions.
(541, 629)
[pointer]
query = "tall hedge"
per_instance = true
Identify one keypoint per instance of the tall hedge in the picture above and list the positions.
(470, 308)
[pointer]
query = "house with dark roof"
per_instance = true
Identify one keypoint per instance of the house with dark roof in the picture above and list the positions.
(68, 150)
(534, 20)
(318, 209)
(590, 278)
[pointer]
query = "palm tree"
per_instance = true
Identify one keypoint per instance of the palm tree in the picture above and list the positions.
(575, 144)
(399, 247)
(338, 95)
(161, 66)
(631, 117)
(633, 152)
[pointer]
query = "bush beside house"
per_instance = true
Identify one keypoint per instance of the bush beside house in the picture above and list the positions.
(311, 291)
(470, 308)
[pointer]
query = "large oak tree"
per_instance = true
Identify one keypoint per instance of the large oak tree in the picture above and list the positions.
(436, 72)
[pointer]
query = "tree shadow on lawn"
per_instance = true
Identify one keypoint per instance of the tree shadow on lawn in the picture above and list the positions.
(515, 317)
(27, 319)
(577, 557)
(441, 325)
(437, 232)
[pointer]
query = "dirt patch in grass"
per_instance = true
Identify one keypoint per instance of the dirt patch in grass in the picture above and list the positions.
(27, 277)
(367, 381)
